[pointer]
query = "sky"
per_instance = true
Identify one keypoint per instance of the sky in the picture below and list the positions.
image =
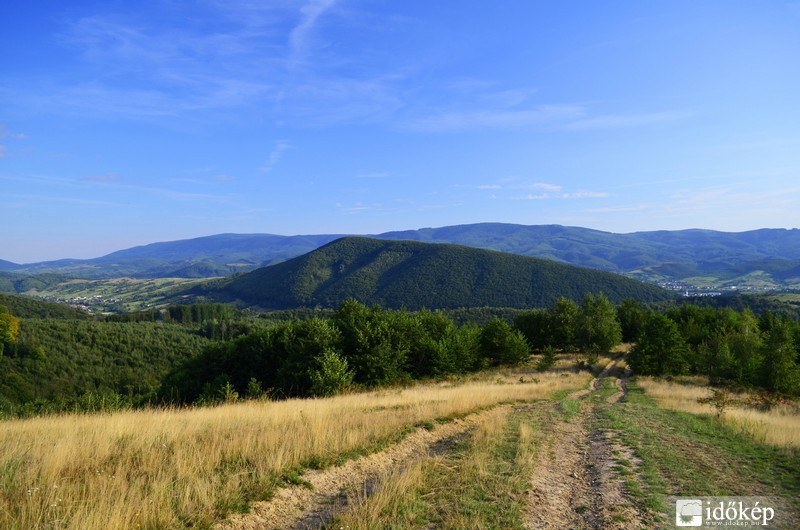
(125, 123)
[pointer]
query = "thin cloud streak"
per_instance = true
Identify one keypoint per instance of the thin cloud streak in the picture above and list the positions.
(301, 35)
(564, 117)
(275, 156)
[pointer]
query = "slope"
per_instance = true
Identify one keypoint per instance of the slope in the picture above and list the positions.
(415, 275)
(203, 257)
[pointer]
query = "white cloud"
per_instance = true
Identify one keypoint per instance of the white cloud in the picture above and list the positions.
(583, 194)
(497, 119)
(275, 156)
(301, 35)
(543, 186)
(5, 133)
(620, 121)
(505, 110)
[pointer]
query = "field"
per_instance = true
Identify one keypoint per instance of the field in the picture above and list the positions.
(502, 449)
(116, 295)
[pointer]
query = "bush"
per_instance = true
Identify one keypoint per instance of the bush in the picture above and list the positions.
(501, 344)
(331, 376)
(548, 359)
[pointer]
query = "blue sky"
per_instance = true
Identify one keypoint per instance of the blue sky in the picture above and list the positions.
(125, 123)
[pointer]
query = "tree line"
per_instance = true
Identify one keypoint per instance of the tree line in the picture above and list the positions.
(211, 352)
(365, 346)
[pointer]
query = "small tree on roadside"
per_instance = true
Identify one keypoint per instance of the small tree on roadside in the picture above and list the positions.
(721, 399)
(547, 360)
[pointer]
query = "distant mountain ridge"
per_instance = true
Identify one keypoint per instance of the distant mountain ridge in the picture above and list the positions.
(765, 258)
(7, 265)
(414, 275)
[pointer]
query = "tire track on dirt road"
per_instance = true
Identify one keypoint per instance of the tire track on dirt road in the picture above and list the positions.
(325, 492)
(576, 483)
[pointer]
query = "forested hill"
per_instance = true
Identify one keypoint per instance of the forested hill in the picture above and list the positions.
(760, 259)
(414, 275)
(617, 252)
(23, 307)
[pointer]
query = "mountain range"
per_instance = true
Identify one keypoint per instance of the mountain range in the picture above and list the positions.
(759, 259)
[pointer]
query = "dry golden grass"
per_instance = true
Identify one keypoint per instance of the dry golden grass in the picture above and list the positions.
(779, 426)
(190, 467)
(436, 486)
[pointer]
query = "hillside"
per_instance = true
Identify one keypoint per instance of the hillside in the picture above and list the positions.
(23, 307)
(7, 265)
(761, 259)
(62, 356)
(203, 257)
(415, 275)
(695, 259)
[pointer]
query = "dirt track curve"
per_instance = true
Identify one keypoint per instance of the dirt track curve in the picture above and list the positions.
(315, 504)
(575, 483)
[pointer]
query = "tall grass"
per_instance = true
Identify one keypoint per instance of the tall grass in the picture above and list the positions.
(190, 467)
(779, 426)
(479, 484)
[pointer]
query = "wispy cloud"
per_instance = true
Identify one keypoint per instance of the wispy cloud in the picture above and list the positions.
(512, 114)
(548, 191)
(543, 186)
(356, 208)
(60, 199)
(374, 175)
(497, 119)
(275, 156)
(584, 194)
(301, 36)
(620, 121)
(5, 133)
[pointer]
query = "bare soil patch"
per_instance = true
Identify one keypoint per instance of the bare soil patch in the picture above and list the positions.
(578, 480)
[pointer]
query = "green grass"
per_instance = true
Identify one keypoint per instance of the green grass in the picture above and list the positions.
(481, 482)
(569, 408)
(686, 455)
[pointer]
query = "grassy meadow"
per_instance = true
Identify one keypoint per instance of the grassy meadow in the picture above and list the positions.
(176, 468)
(780, 425)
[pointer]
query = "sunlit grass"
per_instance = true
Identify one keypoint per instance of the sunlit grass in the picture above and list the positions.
(479, 483)
(778, 426)
(190, 467)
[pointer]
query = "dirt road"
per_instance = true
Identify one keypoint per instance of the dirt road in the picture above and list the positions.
(576, 482)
